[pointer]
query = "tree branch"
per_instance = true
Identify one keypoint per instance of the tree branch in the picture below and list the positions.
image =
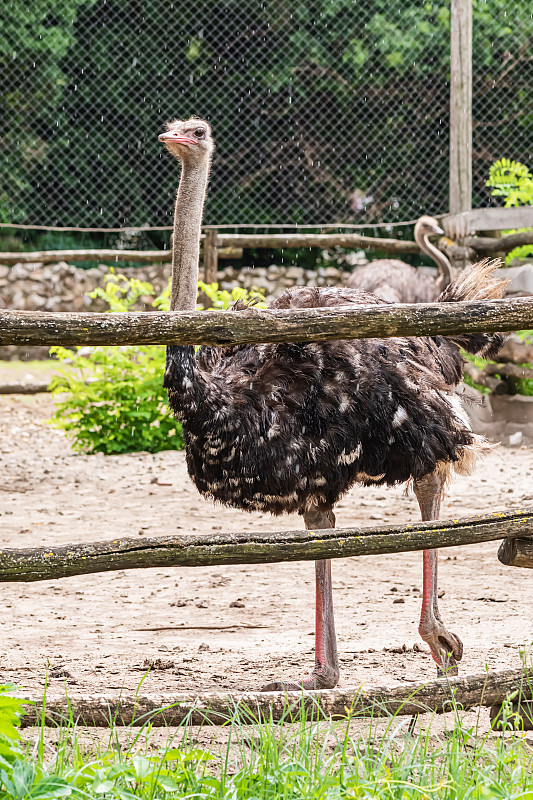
(487, 246)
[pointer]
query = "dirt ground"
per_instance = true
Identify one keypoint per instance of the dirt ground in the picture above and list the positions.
(235, 627)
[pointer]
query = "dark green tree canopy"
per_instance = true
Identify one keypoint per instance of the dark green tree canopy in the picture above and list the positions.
(322, 109)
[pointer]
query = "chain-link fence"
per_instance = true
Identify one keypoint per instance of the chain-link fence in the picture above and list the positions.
(323, 110)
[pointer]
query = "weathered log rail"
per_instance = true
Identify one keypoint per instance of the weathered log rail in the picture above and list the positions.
(231, 245)
(516, 553)
(222, 241)
(24, 388)
(256, 326)
(47, 563)
(168, 709)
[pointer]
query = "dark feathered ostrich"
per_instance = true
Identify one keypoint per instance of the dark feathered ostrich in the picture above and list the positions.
(291, 427)
(397, 282)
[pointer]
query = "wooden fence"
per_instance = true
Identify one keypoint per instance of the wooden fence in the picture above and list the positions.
(218, 244)
(221, 328)
(46, 563)
(269, 325)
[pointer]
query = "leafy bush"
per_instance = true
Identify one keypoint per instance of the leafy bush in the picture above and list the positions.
(111, 399)
(514, 181)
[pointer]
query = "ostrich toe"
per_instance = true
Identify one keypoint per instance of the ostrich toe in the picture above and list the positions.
(322, 678)
(446, 648)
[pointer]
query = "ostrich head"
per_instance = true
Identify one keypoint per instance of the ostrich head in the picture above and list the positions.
(188, 140)
(428, 226)
(424, 228)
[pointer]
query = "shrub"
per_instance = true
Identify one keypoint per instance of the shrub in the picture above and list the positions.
(111, 399)
(514, 181)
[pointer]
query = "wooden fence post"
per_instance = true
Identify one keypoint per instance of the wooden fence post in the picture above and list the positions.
(461, 110)
(210, 255)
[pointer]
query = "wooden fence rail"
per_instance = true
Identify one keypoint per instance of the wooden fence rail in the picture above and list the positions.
(46, 563)
(230, 245)
(255, 326)
(222, 241)
(173, 708)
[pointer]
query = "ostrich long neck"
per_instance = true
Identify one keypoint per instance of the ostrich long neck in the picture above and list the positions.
(186, 386)
(435, 254)
(187, 227)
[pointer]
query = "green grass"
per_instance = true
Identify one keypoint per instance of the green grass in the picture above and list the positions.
(309, 758)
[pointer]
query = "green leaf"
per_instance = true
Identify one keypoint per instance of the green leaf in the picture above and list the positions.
(102, 787)
(51, 786)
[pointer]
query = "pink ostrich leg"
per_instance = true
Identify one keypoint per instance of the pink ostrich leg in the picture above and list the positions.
(446, 648)
(326, 672)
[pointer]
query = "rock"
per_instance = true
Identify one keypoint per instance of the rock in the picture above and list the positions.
(35, 302)
(515, 439)
(521, 279)
(294, 273)
(19, 272)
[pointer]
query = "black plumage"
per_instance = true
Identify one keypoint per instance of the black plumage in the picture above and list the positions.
(285, 427)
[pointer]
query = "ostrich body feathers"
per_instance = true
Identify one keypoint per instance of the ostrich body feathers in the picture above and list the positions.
(395, 282)
(285, 427)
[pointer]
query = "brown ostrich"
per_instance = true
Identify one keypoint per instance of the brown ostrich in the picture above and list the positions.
(290, 428)
(397, 282)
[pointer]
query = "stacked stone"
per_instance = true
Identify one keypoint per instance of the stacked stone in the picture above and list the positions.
(64, 287)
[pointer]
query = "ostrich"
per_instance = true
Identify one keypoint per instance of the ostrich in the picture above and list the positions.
(398, 282)
(290, 428)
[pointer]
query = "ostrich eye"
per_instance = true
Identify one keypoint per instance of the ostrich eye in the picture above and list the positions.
(199, 133)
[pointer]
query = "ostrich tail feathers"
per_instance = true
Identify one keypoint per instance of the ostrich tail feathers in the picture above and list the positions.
(477, 283)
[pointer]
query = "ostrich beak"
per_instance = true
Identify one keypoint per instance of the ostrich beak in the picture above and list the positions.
(437, 229)
(171, 136)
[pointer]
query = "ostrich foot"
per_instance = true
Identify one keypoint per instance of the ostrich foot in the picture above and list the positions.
(325, 677)
(446, 648)
(326, 672)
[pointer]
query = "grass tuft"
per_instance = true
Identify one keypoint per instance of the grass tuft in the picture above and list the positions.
(303, 755)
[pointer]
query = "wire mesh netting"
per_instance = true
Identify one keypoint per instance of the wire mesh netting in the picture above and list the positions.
(323, 110)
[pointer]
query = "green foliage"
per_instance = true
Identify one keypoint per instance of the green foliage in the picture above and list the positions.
(306, 755)
(513, 181)
(10, 713)
(221, 298)
(111, 399)
(34, 39)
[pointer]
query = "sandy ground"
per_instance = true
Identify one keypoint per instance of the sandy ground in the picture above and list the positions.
(235, 627)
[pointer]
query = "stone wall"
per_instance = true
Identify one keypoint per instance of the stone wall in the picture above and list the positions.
(64, 287)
